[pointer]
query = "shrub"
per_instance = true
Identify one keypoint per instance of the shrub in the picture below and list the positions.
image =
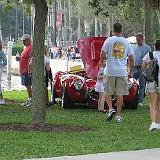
(17, 48)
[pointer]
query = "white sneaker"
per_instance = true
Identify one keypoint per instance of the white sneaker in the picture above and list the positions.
(27, 103)
(119, 119)
(140, 104)
(110, 114)
(2, 101)
(154, 126)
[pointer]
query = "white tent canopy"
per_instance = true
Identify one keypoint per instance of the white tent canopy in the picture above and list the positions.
(132, 39)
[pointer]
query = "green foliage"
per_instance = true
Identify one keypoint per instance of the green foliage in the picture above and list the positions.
(17, 48)
(98, 8)
(8, 22)
(132, 13)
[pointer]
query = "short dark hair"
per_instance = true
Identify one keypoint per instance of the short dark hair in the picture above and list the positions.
(157, 45)
(139, 35)
(117, 27)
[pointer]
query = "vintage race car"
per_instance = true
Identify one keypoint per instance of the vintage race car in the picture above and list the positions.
(78, 86)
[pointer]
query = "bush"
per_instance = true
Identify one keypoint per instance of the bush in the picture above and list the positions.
(17, 48)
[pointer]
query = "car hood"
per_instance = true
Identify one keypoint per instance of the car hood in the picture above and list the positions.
(90, 49)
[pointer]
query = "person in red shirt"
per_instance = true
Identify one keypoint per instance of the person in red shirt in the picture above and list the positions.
(24, 65)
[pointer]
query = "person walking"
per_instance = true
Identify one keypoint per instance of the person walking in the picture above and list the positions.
(3, 63)
(116, 50)
(24, 65)
(139, 52)
(153, 90)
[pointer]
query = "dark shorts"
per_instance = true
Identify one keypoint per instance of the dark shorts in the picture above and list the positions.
(26, 79)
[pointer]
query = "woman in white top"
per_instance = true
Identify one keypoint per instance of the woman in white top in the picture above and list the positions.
(153, 90)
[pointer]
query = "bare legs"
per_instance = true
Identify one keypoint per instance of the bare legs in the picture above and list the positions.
(101, 101)
(154, 104)
(29, 91)
(152, 98)
(119, 104)
(158, 109)
(109, 101)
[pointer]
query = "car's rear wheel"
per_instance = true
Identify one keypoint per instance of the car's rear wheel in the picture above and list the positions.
(53, 94)
(132, 104)
(66, 102)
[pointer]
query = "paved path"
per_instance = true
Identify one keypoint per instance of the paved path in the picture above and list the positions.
(56, 65)
(148, 154)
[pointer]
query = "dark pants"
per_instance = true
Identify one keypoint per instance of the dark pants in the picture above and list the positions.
(137, 74)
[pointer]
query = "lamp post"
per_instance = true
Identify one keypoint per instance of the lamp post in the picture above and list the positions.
(23, 17)
(16, 29)
(9, 59)
(32, 20)
(55, 19)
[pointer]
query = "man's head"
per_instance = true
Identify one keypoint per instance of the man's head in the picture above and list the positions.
(117, 28)
(157, 45)
(139, 38)
(26, 39)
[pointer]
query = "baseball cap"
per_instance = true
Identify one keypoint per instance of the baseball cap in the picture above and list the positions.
(26, 36)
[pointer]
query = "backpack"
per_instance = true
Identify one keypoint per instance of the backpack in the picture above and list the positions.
(152, 69)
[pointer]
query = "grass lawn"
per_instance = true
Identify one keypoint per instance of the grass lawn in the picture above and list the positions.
(103, 136)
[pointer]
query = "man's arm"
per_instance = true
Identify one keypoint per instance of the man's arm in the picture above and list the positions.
(131, 65)
(144, 64)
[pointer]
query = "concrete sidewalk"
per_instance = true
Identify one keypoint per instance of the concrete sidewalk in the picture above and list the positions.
(148, 154)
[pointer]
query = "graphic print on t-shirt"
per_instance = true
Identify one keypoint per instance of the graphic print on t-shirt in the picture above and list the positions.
(118, 50)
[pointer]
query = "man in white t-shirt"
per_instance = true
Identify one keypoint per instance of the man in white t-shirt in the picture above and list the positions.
(116, 51)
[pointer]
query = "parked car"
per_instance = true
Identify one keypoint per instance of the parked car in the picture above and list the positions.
(78, 86)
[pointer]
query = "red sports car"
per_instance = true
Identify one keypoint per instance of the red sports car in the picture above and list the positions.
(78, 86)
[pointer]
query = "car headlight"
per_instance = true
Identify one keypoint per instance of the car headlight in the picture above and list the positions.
(78, 85)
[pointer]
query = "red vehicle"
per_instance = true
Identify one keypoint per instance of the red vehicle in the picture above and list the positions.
(79, 86)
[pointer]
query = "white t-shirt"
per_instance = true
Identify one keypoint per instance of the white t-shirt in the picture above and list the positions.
(117, 50)
(156, 55)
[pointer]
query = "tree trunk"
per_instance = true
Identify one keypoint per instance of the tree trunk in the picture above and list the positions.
(148, 23)
(96, 27)
(38, 105)
(108, 27)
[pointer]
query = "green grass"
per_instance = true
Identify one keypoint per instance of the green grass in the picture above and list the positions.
(103, 136)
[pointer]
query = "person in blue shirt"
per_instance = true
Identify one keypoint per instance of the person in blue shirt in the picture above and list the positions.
(3, 63)
(139, 52)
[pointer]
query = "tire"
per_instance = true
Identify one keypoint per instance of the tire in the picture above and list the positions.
(132, 104)
(66, 102)
(53, 96)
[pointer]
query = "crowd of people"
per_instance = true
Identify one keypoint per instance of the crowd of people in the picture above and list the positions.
(58, 52)
(112, 79)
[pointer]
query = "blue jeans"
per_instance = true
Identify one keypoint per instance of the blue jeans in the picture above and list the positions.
(137, 74)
